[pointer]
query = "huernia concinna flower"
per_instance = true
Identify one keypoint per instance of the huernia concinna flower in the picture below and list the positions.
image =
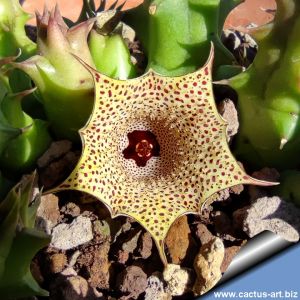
(155, 149)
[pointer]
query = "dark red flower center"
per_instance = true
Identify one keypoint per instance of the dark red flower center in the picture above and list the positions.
(142, 146)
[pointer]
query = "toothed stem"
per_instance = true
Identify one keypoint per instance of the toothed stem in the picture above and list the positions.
(269, 93)
(17, 232)
(176, 35)
(111, 55)
(29, 138)
(12, 31)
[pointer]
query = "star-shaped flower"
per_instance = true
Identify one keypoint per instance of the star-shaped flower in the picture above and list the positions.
(155, 149)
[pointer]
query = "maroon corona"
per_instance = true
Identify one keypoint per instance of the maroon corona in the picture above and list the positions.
(142, 146)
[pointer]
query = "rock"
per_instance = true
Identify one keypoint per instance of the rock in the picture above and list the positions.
(206, 210)
(58, 261)
(177, 239)
(132, 281)
(71, 209)
(178, 279)
(72, 288)
(268, 174)
(69, 271)
(273, 214)
(78, 285)
(155, 288)
(131, 242)
(145, 245)
(73, 258)
(48, 213)
(58, 170)
(102, 229)
(68, 236)
(118, 228)
(207, 265)
(230, 253)
(228, 111)
(93, 261)
(56, 150)
(122, 257)
(203, 234)
(237, 189)
(99, 269)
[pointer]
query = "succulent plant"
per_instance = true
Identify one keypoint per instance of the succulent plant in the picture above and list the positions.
(20, 152)
(22, 138)
(7, 132)
(107, 43)
(15, 43)
(176, 35)
(12, 32)
(66, 87)
(155, 148)
(19, 241)
(269, 94)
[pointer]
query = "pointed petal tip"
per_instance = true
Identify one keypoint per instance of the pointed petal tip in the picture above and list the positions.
(258, 182)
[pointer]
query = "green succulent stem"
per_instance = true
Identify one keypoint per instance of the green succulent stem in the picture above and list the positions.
(269, 93)
(111, 55)
(26, 139)
(12, 32)
(65, 86)
(176, 35)
(12, 109)
(17, 219)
